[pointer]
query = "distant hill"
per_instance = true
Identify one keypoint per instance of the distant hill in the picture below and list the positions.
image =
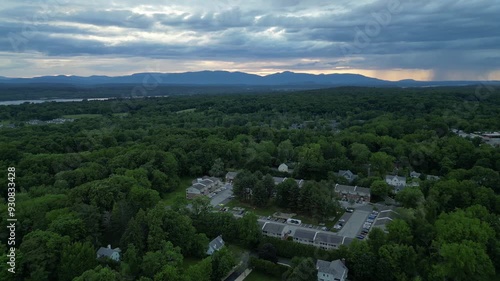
(234, 79)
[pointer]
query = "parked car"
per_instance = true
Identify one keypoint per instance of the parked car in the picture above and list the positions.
(337, 226)
(349, 210)
(342, 220)
(360, 237)
(324, 228)
(369, 220)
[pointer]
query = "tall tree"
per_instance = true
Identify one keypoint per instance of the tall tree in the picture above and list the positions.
(76, 258)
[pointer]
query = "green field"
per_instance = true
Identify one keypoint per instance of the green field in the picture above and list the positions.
(179, 193)
(257, 276)
(79, 116)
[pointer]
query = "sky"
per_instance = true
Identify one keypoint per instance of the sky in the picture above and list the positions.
(386, 39)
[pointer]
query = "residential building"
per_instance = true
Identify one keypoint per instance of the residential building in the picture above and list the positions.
(202, 186)
(415, 175)
(356, 193)
(431, 177)
(348, 175)
(277, 230)
(327, 241)
(215, 245)
(230, 176)
(385, 216)
(304, 236)
(110, 253)
(399, 183)
(283, 168)
(331, 271)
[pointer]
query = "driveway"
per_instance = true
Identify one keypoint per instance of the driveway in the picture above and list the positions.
(223, 196)
(354, 224)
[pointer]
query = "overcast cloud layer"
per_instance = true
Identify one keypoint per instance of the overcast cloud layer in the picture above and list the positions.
(389, 39)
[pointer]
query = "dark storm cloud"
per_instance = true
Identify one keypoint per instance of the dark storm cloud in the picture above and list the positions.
(364, 34)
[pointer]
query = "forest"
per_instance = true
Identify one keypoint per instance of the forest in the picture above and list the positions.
(111, 177)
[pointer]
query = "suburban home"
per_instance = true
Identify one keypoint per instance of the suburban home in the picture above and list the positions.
(396, 181)
(230, 176)
(431, 177)
(356, 193)
(107, 252)
(415, 175)
(331, 271)
(348, 175)
(276, 230)
(328, 241)
(304, 236)
(215, 245)
(202, 186)
(278, 180)
(283, 168)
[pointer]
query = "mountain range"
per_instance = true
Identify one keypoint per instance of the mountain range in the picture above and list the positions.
(236, 79)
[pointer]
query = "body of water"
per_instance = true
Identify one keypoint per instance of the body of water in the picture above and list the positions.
(17, 102)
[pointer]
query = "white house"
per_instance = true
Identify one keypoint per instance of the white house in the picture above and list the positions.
(331, 271)
(215, 245)
(283, 168)
(113, 254)
(396, 181)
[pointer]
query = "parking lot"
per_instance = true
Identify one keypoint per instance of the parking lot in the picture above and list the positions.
(354, 223)
(223, 196)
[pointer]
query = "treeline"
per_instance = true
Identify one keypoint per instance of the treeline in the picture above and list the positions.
(105, 180)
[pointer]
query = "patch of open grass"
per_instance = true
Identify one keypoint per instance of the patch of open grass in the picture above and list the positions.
(78, 116)
(179, 193)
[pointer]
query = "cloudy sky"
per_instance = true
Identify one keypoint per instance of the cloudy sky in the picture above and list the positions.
(388, 39)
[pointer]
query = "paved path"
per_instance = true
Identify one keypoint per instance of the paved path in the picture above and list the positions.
(243, 275)
(354, 224)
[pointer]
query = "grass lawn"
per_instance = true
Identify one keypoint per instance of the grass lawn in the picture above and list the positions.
(257, 276)
(179, 192)
(78, 116)
(236, 250)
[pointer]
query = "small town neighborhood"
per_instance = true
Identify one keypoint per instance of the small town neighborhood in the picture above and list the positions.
(359, 217)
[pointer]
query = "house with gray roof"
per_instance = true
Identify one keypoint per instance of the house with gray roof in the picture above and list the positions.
(331, 271)
(276, 230)
(110, 253)
(328, 240)
(215, 245)
(355, 193)
(202, 186)
(348, 175)
(431, 177)
(399, 183)
(384, 217)
(304, 236)
(415, 175)
(230, 176)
